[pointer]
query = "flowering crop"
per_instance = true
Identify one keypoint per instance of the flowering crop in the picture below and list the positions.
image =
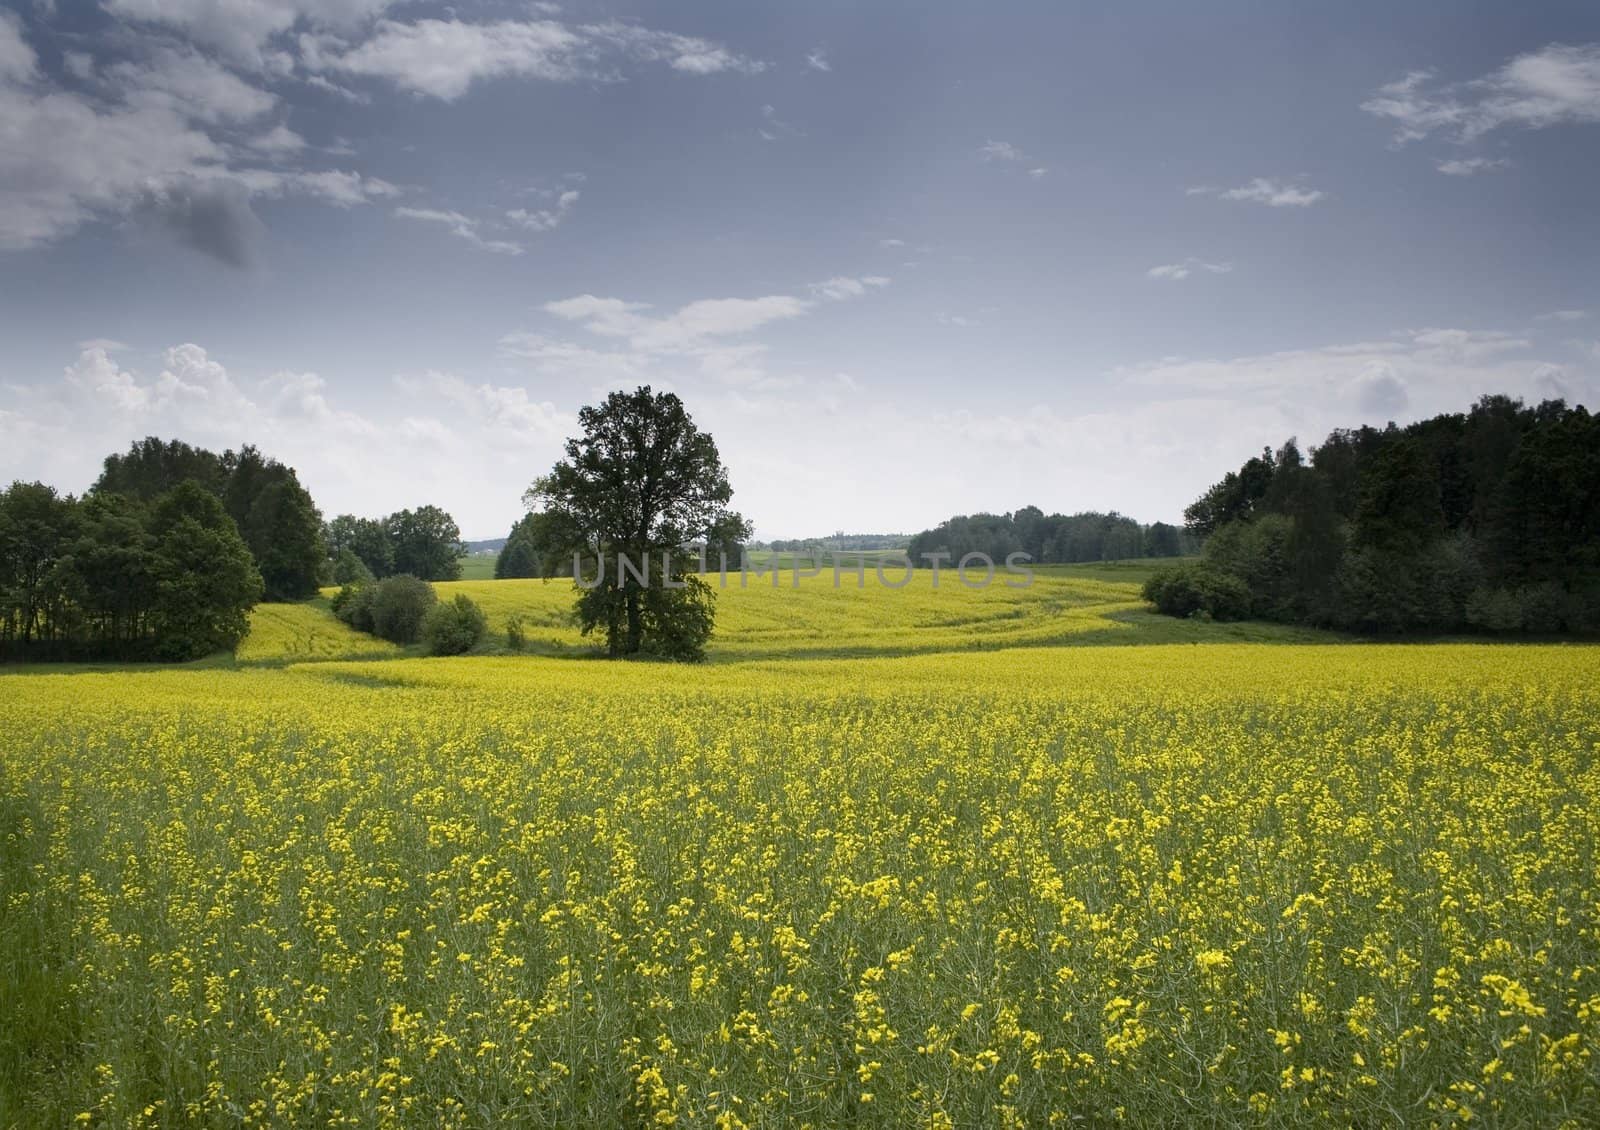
(1163, 885)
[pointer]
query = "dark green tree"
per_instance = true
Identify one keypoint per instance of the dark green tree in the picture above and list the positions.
(151, 468)
(367, 538)
(205, 581)
(36, 527)
(641, 484)
(427, 543)
(284, 532)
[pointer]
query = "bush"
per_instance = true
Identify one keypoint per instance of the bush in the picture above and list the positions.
(353, 605)
(454, 628)
(1198, 587)
(399, 606)
(516, 634)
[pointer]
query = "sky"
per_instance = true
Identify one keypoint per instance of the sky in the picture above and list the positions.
(902, 259)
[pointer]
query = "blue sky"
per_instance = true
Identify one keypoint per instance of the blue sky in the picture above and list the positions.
(902, 259)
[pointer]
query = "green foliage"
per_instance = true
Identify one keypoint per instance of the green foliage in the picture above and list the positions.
(424, 542)
(528, 550)
(399, 605)
(454, 627)
(1488, 520)
(641, 482)
(284, 532)
(427, 543)
(205, 582)
(1198, 588)
(107, 577)
(516, 633)
(1046, 539)
(349, 569)
(271, 510)
(366, 538)
(353, 604)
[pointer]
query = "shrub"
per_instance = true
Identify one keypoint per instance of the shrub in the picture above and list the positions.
(455, 627)
(353, 605)
(399, 605)
(516, 634)
(1196, 586)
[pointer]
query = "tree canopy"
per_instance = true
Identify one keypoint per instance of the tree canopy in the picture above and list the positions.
(110, 577)
(1487, 520)
(274, 514)
(635, 489)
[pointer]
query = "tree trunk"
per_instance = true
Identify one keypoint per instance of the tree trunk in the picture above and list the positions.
(635, 628)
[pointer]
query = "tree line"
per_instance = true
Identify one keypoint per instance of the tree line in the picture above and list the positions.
(1485, 520)
(423, 543)
(164, 556)
(1051, 538)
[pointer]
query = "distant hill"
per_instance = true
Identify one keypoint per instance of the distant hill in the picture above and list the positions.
(487, 545)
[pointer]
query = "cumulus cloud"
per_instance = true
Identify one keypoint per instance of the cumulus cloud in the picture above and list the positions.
(60, 427)
(1271, 191)
(152, 137)
(1555, 85)
(818, 60)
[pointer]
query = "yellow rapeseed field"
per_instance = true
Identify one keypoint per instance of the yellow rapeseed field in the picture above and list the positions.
(1163, 885)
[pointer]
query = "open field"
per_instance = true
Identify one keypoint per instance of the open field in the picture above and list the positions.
(929, 885)
(478, 566)
(1075, 604)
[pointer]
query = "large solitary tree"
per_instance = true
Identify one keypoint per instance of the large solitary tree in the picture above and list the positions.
(638, 486)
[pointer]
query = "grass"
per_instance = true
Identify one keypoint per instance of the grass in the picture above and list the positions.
(478, 566)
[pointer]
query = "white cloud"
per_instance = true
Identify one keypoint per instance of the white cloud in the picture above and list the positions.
(278, 141)
(545, 219)
(243, 28)
(59, 429)
(1431, 370)
(841, 287)
(462, 227)
(1555, 85)
(1038, 173)
(345, 189)
(992, 150)
(1270, 191)
(1177, 271)
(1564, 316)
(818, 60)
(704, 333)
(443, 58)
(686, 53)
(18, 63)
(1471, 166)
(190, 84)
(153, 137)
